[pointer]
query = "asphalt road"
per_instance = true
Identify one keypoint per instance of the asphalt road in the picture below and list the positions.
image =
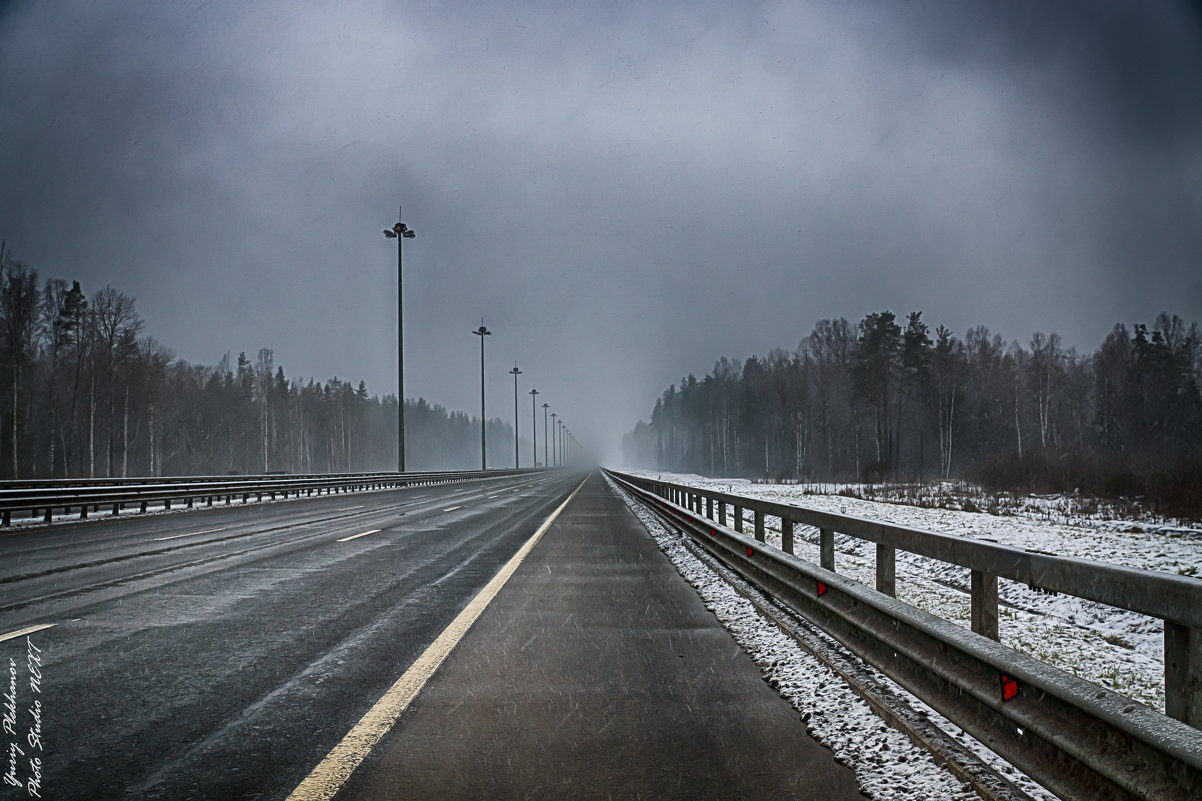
(598, 673)
(220, 654)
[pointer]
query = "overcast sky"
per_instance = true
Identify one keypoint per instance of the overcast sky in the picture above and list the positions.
(625, 192)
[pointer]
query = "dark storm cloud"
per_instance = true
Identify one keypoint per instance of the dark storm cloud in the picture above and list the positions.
(625, 192)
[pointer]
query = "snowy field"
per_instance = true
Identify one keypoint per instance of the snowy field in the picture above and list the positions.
(1111, 647)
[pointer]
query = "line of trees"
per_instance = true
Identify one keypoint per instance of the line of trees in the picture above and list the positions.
(892, 400)
(86, 394)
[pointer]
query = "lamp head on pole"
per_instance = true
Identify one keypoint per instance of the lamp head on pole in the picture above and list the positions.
(482, 331)
(515, 372)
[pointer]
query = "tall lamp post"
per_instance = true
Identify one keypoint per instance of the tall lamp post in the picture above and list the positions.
(482, 332)
(515, 372)
(534, 427)
(554, 428)
(400, 232)
(546, 450)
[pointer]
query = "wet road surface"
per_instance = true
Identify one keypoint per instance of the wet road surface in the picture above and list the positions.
(220, 654)
(597, 673)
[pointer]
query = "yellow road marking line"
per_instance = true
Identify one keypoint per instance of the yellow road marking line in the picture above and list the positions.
(332, 772)
(12, 635)
(453, 508)
(357, 536)
(193, 534)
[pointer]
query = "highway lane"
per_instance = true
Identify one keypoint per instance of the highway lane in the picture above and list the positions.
(596, 673)
(221, 653)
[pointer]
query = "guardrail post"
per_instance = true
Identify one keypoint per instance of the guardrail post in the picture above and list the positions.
(722, 513)
(984, 604)
(886, 569)
(1183, 673)
(759, 525)
(826, 548)
(116, 509)
(83, 512)
(47, 519)
(738, 519)
(786, 535)
(8, 517)
(709, 507)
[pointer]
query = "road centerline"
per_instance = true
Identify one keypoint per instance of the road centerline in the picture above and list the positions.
(452, 509)
(324, 782)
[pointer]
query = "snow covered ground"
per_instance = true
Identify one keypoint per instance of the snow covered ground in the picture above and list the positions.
(887, 765)
(1114, 648)
(1079, 510)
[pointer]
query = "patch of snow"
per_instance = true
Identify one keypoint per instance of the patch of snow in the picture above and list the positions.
(1121, 650)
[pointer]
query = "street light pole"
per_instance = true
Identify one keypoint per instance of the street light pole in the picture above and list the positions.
(515, 372)
(534, 427)
(400, 232)
(482, 332)
(554, 428)
(546, 450)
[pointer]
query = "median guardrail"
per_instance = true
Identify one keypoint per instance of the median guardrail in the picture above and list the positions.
(1078, 739)
(93, 495)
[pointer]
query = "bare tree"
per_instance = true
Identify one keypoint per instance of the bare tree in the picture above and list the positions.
(19, 317)
(117, 326)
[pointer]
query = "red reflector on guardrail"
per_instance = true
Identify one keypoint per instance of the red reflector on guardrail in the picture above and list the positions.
(713, 533)
(750, 552)
(821, 589)
(1009, 687)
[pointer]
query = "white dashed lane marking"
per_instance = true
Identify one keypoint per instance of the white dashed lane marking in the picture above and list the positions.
(357, 536)
(12, 635)
(192, 534)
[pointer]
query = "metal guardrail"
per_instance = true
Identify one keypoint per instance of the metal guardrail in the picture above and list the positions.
(92, 494)
(1079, 740)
